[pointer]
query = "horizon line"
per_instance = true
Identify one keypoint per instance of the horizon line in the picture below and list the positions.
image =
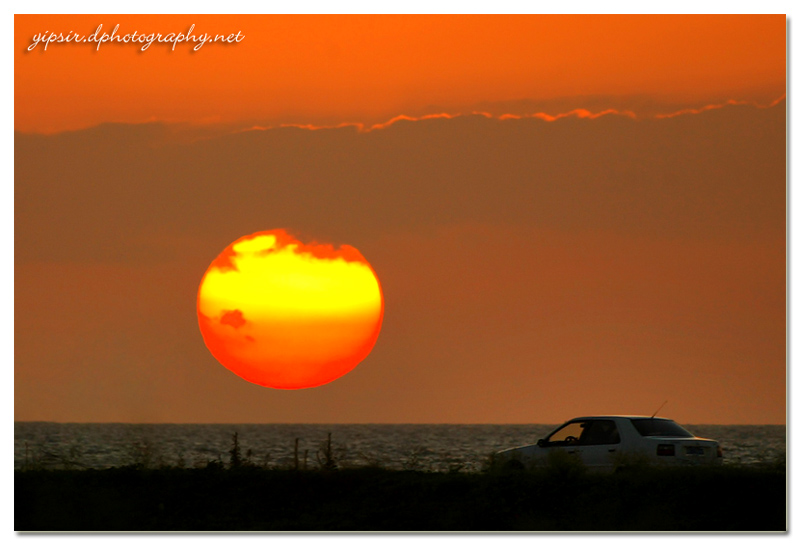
(359, 423)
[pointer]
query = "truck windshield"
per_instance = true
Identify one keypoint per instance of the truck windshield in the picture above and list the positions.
(650, 427)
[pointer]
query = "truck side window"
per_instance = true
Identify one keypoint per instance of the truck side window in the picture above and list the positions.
(600, 432)
(567, 435)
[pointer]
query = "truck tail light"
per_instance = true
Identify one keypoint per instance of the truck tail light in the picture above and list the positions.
(665, 450)
(719, 451)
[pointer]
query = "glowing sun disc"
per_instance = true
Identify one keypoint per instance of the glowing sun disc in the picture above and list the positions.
(283, 314)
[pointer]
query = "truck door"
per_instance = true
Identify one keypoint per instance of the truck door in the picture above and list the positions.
(565, 440)
(599, 443)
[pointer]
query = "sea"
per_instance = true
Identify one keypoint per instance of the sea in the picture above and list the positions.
(424, 447)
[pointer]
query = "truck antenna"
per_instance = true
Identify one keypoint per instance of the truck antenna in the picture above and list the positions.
(655, 413)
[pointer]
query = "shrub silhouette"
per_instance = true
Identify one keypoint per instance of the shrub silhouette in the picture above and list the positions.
(235, 452)
(325, 457)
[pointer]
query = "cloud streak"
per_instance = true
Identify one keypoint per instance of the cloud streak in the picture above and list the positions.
(579, 113)
(695, 111)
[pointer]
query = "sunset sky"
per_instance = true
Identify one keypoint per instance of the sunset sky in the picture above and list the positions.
(568, 215)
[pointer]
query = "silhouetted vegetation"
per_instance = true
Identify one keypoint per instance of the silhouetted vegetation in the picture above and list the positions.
(236, 452)
(247, 497)
(53, 493)
(325, 457)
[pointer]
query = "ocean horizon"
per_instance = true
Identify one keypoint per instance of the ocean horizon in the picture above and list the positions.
(427, 447)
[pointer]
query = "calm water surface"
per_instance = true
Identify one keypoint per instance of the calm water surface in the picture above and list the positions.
(432, 447)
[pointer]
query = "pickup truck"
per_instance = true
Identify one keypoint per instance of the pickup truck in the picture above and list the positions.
(609, 442)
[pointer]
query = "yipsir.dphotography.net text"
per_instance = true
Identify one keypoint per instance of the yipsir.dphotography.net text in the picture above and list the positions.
(99, 38)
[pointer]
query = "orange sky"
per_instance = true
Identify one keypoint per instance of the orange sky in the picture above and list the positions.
(533, 270)
(371, 68)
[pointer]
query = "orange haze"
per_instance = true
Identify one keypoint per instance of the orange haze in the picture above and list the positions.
(568, 215)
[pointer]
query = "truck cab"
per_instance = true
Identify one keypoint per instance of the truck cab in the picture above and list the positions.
(608, 442)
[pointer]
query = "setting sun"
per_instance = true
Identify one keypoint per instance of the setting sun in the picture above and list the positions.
(284, 314)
